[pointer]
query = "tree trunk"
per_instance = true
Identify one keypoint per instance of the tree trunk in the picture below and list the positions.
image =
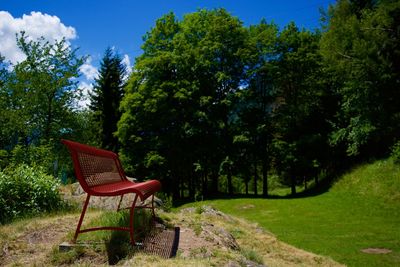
(230, 186)
(265, 178)
(204, 185)
(49, 118)
(182, 188)
(191, 186)
(293, 185)
(255, 178)
(175, 189)
(305, 183)
(214, 182)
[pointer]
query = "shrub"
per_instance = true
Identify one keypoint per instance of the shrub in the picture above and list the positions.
(4, 158)
(25, 191)
(166, 201)
(396, 152)
(37, 156)
(252, 255)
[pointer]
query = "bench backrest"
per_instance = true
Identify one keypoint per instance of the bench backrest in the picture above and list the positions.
(94, 166)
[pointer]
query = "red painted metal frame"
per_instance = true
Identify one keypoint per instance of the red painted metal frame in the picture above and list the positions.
(117, 187)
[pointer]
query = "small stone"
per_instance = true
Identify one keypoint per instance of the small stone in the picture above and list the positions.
(65, 246)
(376, 250)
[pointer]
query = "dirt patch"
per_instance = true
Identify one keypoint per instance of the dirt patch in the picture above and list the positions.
(190, 243)
(32, 243)
(376, 250)
(50, 233)
(246, 207)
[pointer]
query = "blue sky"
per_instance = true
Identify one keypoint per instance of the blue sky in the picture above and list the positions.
(93, 25)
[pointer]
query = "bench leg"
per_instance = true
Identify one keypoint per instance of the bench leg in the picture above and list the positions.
(152, 210)
(78, 228)
(120, 201)
(131, 221)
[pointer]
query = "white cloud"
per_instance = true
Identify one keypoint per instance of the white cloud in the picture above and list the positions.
(84, 100)
(35, 26)
(127, 62)
(88, 70)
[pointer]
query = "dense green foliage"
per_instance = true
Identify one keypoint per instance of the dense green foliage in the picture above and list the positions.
(361, 49)
(26, 190)
(360, 211)
(38, 107)
(39, 93)
(38, 98)
(176, 118)
(396, 152)
(210, 97)
(212, 104)
(106, 98)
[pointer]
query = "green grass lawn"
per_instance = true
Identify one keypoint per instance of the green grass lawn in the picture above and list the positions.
(361, 211)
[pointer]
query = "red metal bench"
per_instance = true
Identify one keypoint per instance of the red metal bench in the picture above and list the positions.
(100, 173)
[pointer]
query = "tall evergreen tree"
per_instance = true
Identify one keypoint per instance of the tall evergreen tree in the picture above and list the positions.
(106, 97)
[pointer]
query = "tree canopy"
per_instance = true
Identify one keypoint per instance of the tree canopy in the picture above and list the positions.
(38, 96)
(361, 53)
(211, 100)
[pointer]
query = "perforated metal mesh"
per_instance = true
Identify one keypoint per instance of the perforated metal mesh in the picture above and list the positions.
(97, 170)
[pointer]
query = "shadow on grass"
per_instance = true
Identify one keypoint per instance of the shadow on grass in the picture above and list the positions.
(153, 240)
(118, 247)
(322, 187)
(162, 242)
(337, 170)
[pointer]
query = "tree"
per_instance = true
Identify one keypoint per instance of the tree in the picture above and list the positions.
(41, 90)
(300, 117)
(212, 43)
(106, 97)
(3, 71)
(39, 95)
(176, 109)
(256, 101)
(148, 116)
(210, 99)
(361, 51)
(4, 134)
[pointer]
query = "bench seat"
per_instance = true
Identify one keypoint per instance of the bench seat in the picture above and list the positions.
(143, 189)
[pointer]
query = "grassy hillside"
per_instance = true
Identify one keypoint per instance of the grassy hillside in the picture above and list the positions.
(362, 210)
(379, 180)
(206, 238)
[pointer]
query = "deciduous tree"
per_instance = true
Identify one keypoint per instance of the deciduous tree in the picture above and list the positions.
(361, 49)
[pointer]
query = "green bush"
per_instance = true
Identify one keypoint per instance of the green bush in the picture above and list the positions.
(37, 156)
(4, 159)
(25, 191)
(396, 152)
(252, 255)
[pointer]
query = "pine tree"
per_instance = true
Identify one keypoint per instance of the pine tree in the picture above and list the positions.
(105, 98)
